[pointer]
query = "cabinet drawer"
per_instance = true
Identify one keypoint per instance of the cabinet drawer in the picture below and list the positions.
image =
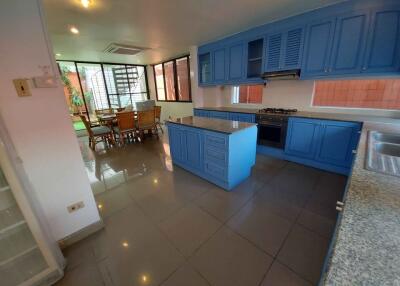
(218, 157)
(215, 140)
(215, 171)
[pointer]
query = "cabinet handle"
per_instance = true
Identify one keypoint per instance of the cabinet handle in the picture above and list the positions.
(339, 203)
(364, 68)
(339, 209)
(326, 70)
(354, 151)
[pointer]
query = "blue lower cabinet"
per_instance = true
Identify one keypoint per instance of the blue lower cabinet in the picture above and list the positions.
(338, 142)
(223, 159)
(176, 143)
(201, 112)
(324, 144)
(219, 114)
(302, 137)
(243, 117)
(193, 148)
(235, 116)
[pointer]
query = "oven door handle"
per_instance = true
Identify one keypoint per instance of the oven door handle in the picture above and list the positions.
(271, 124)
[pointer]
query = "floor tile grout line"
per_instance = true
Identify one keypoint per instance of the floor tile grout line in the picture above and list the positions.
(290, 231)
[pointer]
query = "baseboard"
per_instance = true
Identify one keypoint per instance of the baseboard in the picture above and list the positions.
(81, 234)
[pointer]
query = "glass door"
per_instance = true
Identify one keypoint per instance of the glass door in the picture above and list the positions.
(20, 256)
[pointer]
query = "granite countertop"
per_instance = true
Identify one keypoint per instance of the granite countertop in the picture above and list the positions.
(366, 248)
(315, 115)
(212, 124)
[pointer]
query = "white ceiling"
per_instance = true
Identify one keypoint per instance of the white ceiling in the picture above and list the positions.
(167, 27)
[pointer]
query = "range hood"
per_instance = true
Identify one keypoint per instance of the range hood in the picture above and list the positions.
(281, 75)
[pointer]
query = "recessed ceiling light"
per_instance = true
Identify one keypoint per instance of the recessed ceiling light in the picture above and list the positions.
(58, 55)
(74, 30)
(86, 3)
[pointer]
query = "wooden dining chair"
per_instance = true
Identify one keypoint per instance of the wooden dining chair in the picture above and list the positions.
(126, 126)
(157, 110)
(146, 121)
(98, 133)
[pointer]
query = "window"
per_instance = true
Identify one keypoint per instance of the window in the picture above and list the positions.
(89, 86)
(375, 93)
(247, 94)
(172, 80)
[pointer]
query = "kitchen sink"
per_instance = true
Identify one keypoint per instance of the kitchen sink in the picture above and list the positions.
(383, 153)
(385, 137)
(388, 149)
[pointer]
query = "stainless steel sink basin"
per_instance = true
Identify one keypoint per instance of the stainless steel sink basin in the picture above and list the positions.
(383, 153)
(388, 149)
(385, 137)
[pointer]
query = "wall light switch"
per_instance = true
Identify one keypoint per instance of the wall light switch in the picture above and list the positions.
(22, 87)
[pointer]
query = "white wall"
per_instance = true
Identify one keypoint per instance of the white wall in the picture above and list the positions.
(283, 94)
(39, 126)
(173, 109)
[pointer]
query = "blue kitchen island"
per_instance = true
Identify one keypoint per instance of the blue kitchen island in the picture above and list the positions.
(220, 151)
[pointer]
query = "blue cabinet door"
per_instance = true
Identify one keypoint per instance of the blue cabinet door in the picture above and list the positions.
(292, 49)
(317, 48)
(349, 43)
(205, 68)
(273, 52)
(383, 48)
(219, 115)
(236, 57)
(337, 142)
(302, 137)
(201, 112)
(219, 65)
(193, 151)
(176, 145)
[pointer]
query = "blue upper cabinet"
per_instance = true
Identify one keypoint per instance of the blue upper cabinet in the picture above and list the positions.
(349, 43)
(254, 57)
(353, 38)
(383, 49)
(318, 47)
(205, 68)
(284, 50)
(273, 52)
(236, 56)
(219, 66)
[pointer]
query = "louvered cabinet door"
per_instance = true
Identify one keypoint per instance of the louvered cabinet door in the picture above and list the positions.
(292, 50)
(273, 52)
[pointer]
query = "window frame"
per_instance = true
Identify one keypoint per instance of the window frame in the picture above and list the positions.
(235, 94)
(174, 60)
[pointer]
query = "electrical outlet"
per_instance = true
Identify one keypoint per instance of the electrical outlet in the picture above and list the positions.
(76, 206)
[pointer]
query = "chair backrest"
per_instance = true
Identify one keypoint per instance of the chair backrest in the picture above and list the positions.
(87, 124)
(146, 118)
(103, 111)
(125, 120)
(157, 110)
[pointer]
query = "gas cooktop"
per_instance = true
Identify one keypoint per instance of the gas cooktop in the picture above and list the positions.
(277, 111)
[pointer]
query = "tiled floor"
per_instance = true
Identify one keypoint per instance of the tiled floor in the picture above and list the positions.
(165, 226)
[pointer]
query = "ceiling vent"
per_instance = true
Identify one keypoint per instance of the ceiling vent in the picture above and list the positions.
(121, 49)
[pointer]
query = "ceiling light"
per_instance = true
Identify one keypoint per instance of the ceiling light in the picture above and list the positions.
(58, 55)
(86, 3)
(125, 244)
(74, 30)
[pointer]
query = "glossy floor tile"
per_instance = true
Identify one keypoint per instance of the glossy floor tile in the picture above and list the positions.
(166, 226)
